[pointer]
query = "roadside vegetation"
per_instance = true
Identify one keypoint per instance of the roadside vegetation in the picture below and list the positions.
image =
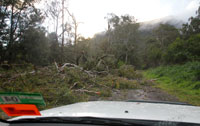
(66, 68)
(70, 85)
(182, 81)
(67, 86)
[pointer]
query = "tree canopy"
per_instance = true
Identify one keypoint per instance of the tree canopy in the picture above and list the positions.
(24, 39)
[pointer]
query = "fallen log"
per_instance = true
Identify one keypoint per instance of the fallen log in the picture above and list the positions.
(57, 68)
(100, 72)
(84, 90)
(90, 73)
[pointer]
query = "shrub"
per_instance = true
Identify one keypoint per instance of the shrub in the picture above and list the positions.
(179, 74)
(105, 93)
(120, 63)
(122, 83)
(128, 72)
(181, 51)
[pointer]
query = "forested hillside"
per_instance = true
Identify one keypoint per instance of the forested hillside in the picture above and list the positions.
(25, 40)
(35, 60)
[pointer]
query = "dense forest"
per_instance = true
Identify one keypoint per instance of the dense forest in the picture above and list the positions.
(23, 39)
(124, 56)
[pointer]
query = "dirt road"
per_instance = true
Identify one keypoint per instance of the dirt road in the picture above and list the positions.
(143, 93)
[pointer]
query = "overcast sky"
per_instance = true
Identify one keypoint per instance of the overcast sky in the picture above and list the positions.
(92, 12)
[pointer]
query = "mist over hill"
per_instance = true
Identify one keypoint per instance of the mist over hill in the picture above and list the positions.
(149, 25)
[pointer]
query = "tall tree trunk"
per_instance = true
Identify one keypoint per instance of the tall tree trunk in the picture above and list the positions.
(126, 58)
(75, 36)
(10, 54)
(63, 35)
(11, 25)
(75, 44)
(75, 33)
(56, 29)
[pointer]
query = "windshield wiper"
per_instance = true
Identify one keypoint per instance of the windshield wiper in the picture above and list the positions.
(80, 120)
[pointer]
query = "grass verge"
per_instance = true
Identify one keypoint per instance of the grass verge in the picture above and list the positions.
(183, 81)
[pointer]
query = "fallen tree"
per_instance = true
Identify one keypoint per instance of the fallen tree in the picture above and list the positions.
(70, 65)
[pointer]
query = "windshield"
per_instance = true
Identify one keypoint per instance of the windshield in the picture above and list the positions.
(59, 52)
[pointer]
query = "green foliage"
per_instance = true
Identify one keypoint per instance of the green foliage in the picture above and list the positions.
(184, 50)
(16, 17)
(123, 37)
(120, 50)
(180, 80)
(165, 34)
(24, 40)
(177, 52)
(156, 45)
(106, 93)
(53, 86)
(154, 55)
(192, 27)
(120, 63)
(194, 47)
(69, 86)
(128, 71)
(179, 73)
(34, 47)
(123, 83)
(54, 49)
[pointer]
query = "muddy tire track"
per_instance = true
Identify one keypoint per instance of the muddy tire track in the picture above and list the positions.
(143, 93)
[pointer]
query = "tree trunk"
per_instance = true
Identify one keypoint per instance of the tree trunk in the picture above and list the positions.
(75, 32)
(11, 25)
(10, 54)
(57, 26)
(126, 58)
(63, 2)
(75, 37)
(75, 43)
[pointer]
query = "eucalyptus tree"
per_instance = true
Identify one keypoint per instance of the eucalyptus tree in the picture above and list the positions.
(193, 26)
(123, 37)
(15, 18)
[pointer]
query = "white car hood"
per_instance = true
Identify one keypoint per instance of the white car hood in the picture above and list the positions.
(125, 110)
